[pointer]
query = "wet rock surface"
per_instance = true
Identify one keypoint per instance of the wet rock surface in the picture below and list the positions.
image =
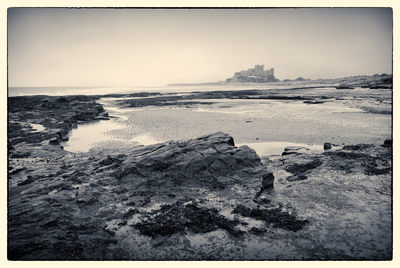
(294, 150)
(299, 170)
(344, 190)
(327, 146)
(56, 114)
(188, 200)
(209, 161)
(77, 206)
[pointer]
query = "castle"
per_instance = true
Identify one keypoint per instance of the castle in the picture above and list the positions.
(256, 74)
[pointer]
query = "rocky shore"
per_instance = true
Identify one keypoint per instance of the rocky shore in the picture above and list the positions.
(199, 199)
(376, 100)
(57, 115)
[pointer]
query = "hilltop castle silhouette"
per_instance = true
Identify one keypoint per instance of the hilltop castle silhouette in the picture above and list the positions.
(256, 74)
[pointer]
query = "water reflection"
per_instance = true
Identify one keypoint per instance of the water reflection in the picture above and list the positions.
(37, 127)
(85, 136)
(113, 133)
(277, 148)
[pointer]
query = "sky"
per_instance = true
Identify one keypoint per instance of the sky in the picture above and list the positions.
(154, 47)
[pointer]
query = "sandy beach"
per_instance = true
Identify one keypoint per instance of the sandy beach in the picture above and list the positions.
(345, 117)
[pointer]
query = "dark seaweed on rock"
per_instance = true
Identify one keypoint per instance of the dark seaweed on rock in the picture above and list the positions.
(276, 217)
(348, 155)
(181, 217)
(356, 147)
(370, 169)
(354, 156)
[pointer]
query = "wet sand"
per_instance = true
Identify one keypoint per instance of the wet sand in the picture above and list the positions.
(268, 126)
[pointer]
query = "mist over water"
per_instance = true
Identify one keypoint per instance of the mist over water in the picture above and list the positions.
(61, 91)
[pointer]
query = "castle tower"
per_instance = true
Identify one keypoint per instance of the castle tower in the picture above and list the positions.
(259, 69)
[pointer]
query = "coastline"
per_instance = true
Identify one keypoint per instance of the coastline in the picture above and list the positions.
(98, 205)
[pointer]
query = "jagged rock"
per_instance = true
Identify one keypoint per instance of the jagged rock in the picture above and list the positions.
(197, 161)
(20, 154)
(313, 102)
(294, 150)
(300, 177)
(387, 143)
(56, 114)
(267, 181)
(356, 147)
(54, 141)
(381, 87)
(29, 180)
(344, 87)
(327, 146)
(299, 168)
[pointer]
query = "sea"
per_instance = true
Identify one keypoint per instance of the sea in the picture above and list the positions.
(63, 91)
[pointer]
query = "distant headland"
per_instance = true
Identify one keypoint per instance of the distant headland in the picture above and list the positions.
(259, 75)
(251, 75)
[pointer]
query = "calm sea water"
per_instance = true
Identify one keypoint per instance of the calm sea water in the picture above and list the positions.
(60, 91)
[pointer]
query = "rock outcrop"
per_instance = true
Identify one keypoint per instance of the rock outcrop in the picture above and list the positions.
(209, 161)
(294, 150)
(327, 146)
(67, 206)
(58, 115)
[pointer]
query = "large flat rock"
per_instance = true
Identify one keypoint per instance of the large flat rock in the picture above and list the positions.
(198, 161)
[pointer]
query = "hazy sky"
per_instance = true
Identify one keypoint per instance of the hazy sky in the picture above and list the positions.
(120, 47)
